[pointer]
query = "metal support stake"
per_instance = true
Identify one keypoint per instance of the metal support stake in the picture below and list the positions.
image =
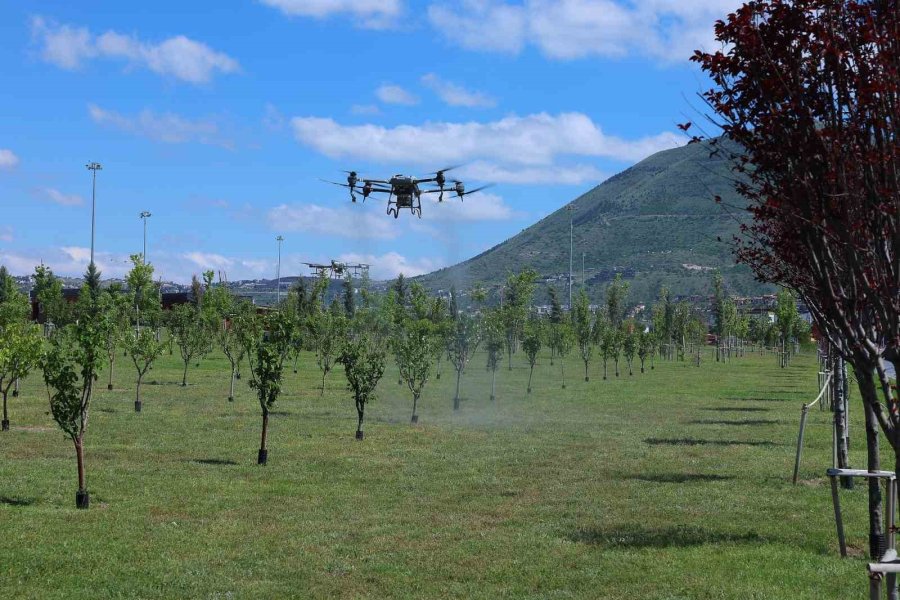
(803, 413)
(838, 520)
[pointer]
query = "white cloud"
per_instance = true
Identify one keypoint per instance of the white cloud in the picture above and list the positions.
(365, 109)
(533, 140)
(665, 30)
(356, 223)
(180, 57)
(554, 174)
(481, 24)
(208, 260)
(456, 95)
(479, 206)
(8, 159)
(391, 264)
(394, 94)
(375, 14)
(57, 197)
(168, 128)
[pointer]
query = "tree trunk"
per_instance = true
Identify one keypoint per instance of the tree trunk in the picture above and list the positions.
(137, 394)
(642, 364)
(5, 422)
(184, 374)
(873, 463)
(617, 367)
(360, 409)
(530, 373)
(231, 389)
(112, 363)
(415, 416)
(605, 371)
(324, 374)
(509, 354)
(82, 499)
(493, 384)
(839, 402)
(562, 364)
(456, 397)
(263, 455)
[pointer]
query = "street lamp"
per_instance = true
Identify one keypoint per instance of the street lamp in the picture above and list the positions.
(279, 239)
(145, 214)
(93, 167)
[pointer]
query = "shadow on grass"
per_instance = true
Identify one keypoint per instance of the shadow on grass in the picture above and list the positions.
(668, 537)
(682, 477)
(737, 409)
(757, 399)
(700, 442)
(217, 462)
(742, 422)
(280, 413)
(8, 501)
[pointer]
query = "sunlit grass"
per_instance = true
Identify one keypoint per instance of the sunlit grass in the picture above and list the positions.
(672, 484)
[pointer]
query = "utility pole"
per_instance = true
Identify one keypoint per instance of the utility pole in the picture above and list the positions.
(571, 209)
(582, 270)
(279, 239)
(144, 216)
(93, 167)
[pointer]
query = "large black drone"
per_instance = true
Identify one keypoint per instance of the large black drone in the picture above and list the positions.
(404, 191)
(336, 269)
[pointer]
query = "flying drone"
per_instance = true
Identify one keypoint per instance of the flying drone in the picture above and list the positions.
(336, 269)
(405, 191)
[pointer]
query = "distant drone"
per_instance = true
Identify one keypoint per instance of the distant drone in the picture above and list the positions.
(403, 190)
(336, 269)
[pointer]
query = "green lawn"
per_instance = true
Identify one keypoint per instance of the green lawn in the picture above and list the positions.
(674, 484)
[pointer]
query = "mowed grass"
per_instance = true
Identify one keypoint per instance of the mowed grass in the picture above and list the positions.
(672, 484)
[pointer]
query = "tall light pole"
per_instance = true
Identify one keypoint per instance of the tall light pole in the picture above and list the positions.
(279, 239)
(582, 270)
(144, 216)
(93, 167)
(571, 209)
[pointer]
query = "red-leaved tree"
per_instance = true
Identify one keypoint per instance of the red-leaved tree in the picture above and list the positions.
(807, 93)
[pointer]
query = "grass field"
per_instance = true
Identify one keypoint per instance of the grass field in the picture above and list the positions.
(674, 484)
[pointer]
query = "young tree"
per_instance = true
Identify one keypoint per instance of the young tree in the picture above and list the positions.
(191, 333)
(464, 340)
(266, 354)
(414, 344)
(646, 345)
(115, 322)
(48, 292)
(616, 295)
(532, 340)
(21, 349)
(349, 299)
(583, 329)
(808, 97)
(71, 367)
(629, 344)
(565, 338)
(517, 296)
(143, 348)
(363, 361)
(494, 344)
(327, 328)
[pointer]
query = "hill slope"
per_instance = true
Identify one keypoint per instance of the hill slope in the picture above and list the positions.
(655, 222)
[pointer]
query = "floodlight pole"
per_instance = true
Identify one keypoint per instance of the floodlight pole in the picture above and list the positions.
(582, 270)
(144, 216)
(571, 209)
(93, 167)
(279, 239)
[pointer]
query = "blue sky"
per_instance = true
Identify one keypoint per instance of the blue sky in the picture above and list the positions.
(221, 117)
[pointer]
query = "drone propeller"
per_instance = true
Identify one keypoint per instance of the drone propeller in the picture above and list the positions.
(335, 183)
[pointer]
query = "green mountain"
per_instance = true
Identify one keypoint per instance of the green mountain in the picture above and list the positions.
(656, 223)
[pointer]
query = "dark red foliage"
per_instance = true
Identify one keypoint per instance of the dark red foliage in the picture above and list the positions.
(810, 91)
